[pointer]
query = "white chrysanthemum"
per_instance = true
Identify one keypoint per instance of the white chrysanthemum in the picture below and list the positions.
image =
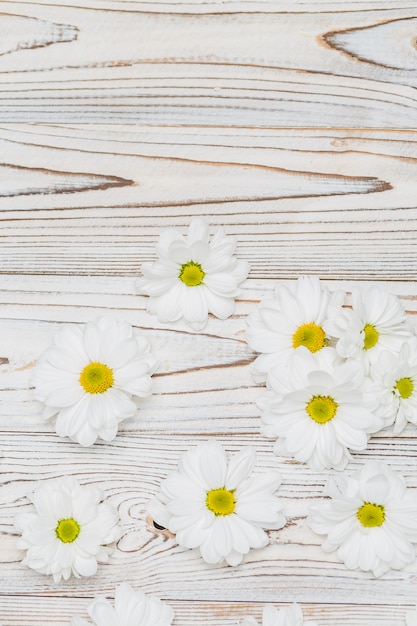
(194, 276)
(89, 376)
(67, 530)
(319, 409)
(411, 618)
(395, 381)
(371, 520)
(219, 506)
(294, 317)
(131, 608)
(288, 616)
(376, 322)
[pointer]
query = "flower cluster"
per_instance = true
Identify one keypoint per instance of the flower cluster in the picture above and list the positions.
(334, 375)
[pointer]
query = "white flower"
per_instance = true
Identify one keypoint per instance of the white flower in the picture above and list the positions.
(289, 616)
(371, 520)
(219, 507)
(294, 317)
(319, 409)
(376, 322)
(395, 381)
(411, 618)
(131, 608)
(193, 276)
(67, 529)
(88, 377)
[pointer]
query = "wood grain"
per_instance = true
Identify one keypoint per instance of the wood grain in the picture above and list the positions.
(203, 388)
(340, 204)
(269, 64)
(292, 124)
(129, 471)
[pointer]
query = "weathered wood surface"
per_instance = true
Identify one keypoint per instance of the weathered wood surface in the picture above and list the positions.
(92, 200)
(294, 125)
(203, 388)
(261, 64)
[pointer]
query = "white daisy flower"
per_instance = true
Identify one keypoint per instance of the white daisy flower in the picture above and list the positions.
(288, 616)
(131, 608)
(67, 530)
(411, 618)
(395, 380)
(371, 520)
(295, 317)
(89, 376)
(219, 506)
(194, 276)
(319, 409)
(376, 322)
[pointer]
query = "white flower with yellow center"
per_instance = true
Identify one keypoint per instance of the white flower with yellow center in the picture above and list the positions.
(131, 608)
(371, 520)
(218, 506)
(395, 381)
(319, 410)
(68, 529)
(288, 616)
(295, 317)
(194, 276)
(376, 322)
(89, 377)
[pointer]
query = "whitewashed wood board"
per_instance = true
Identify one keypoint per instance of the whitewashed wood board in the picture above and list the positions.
(258, 64)
(92, 199)
(200, 391)
(291, 123)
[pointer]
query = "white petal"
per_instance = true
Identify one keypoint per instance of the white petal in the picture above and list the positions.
(222, 284)
(197, 230)
(195, 306)
(222, 536)
(213, 465)
(170, 305)
(240, 467)
(219, 306)
(102, 613)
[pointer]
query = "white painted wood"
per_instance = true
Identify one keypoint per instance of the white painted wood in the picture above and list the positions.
(337, 203)
(259, 64)
(292, 124)
(202, 389)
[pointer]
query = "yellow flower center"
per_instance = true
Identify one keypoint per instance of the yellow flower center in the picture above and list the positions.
(321, 409)
(405, 387)
(309, 335)
(96, 378)
(371, 515)
(67, 530)
(371, 336)
(221, 501)
(191, 274)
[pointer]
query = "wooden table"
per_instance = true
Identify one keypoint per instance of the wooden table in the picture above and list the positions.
(289, 122)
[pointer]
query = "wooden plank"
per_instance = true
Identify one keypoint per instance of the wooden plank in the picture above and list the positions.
(130, 468)
(129, 471)
(203, 384)
(263, 64)
(58, 611)
(340, 204)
